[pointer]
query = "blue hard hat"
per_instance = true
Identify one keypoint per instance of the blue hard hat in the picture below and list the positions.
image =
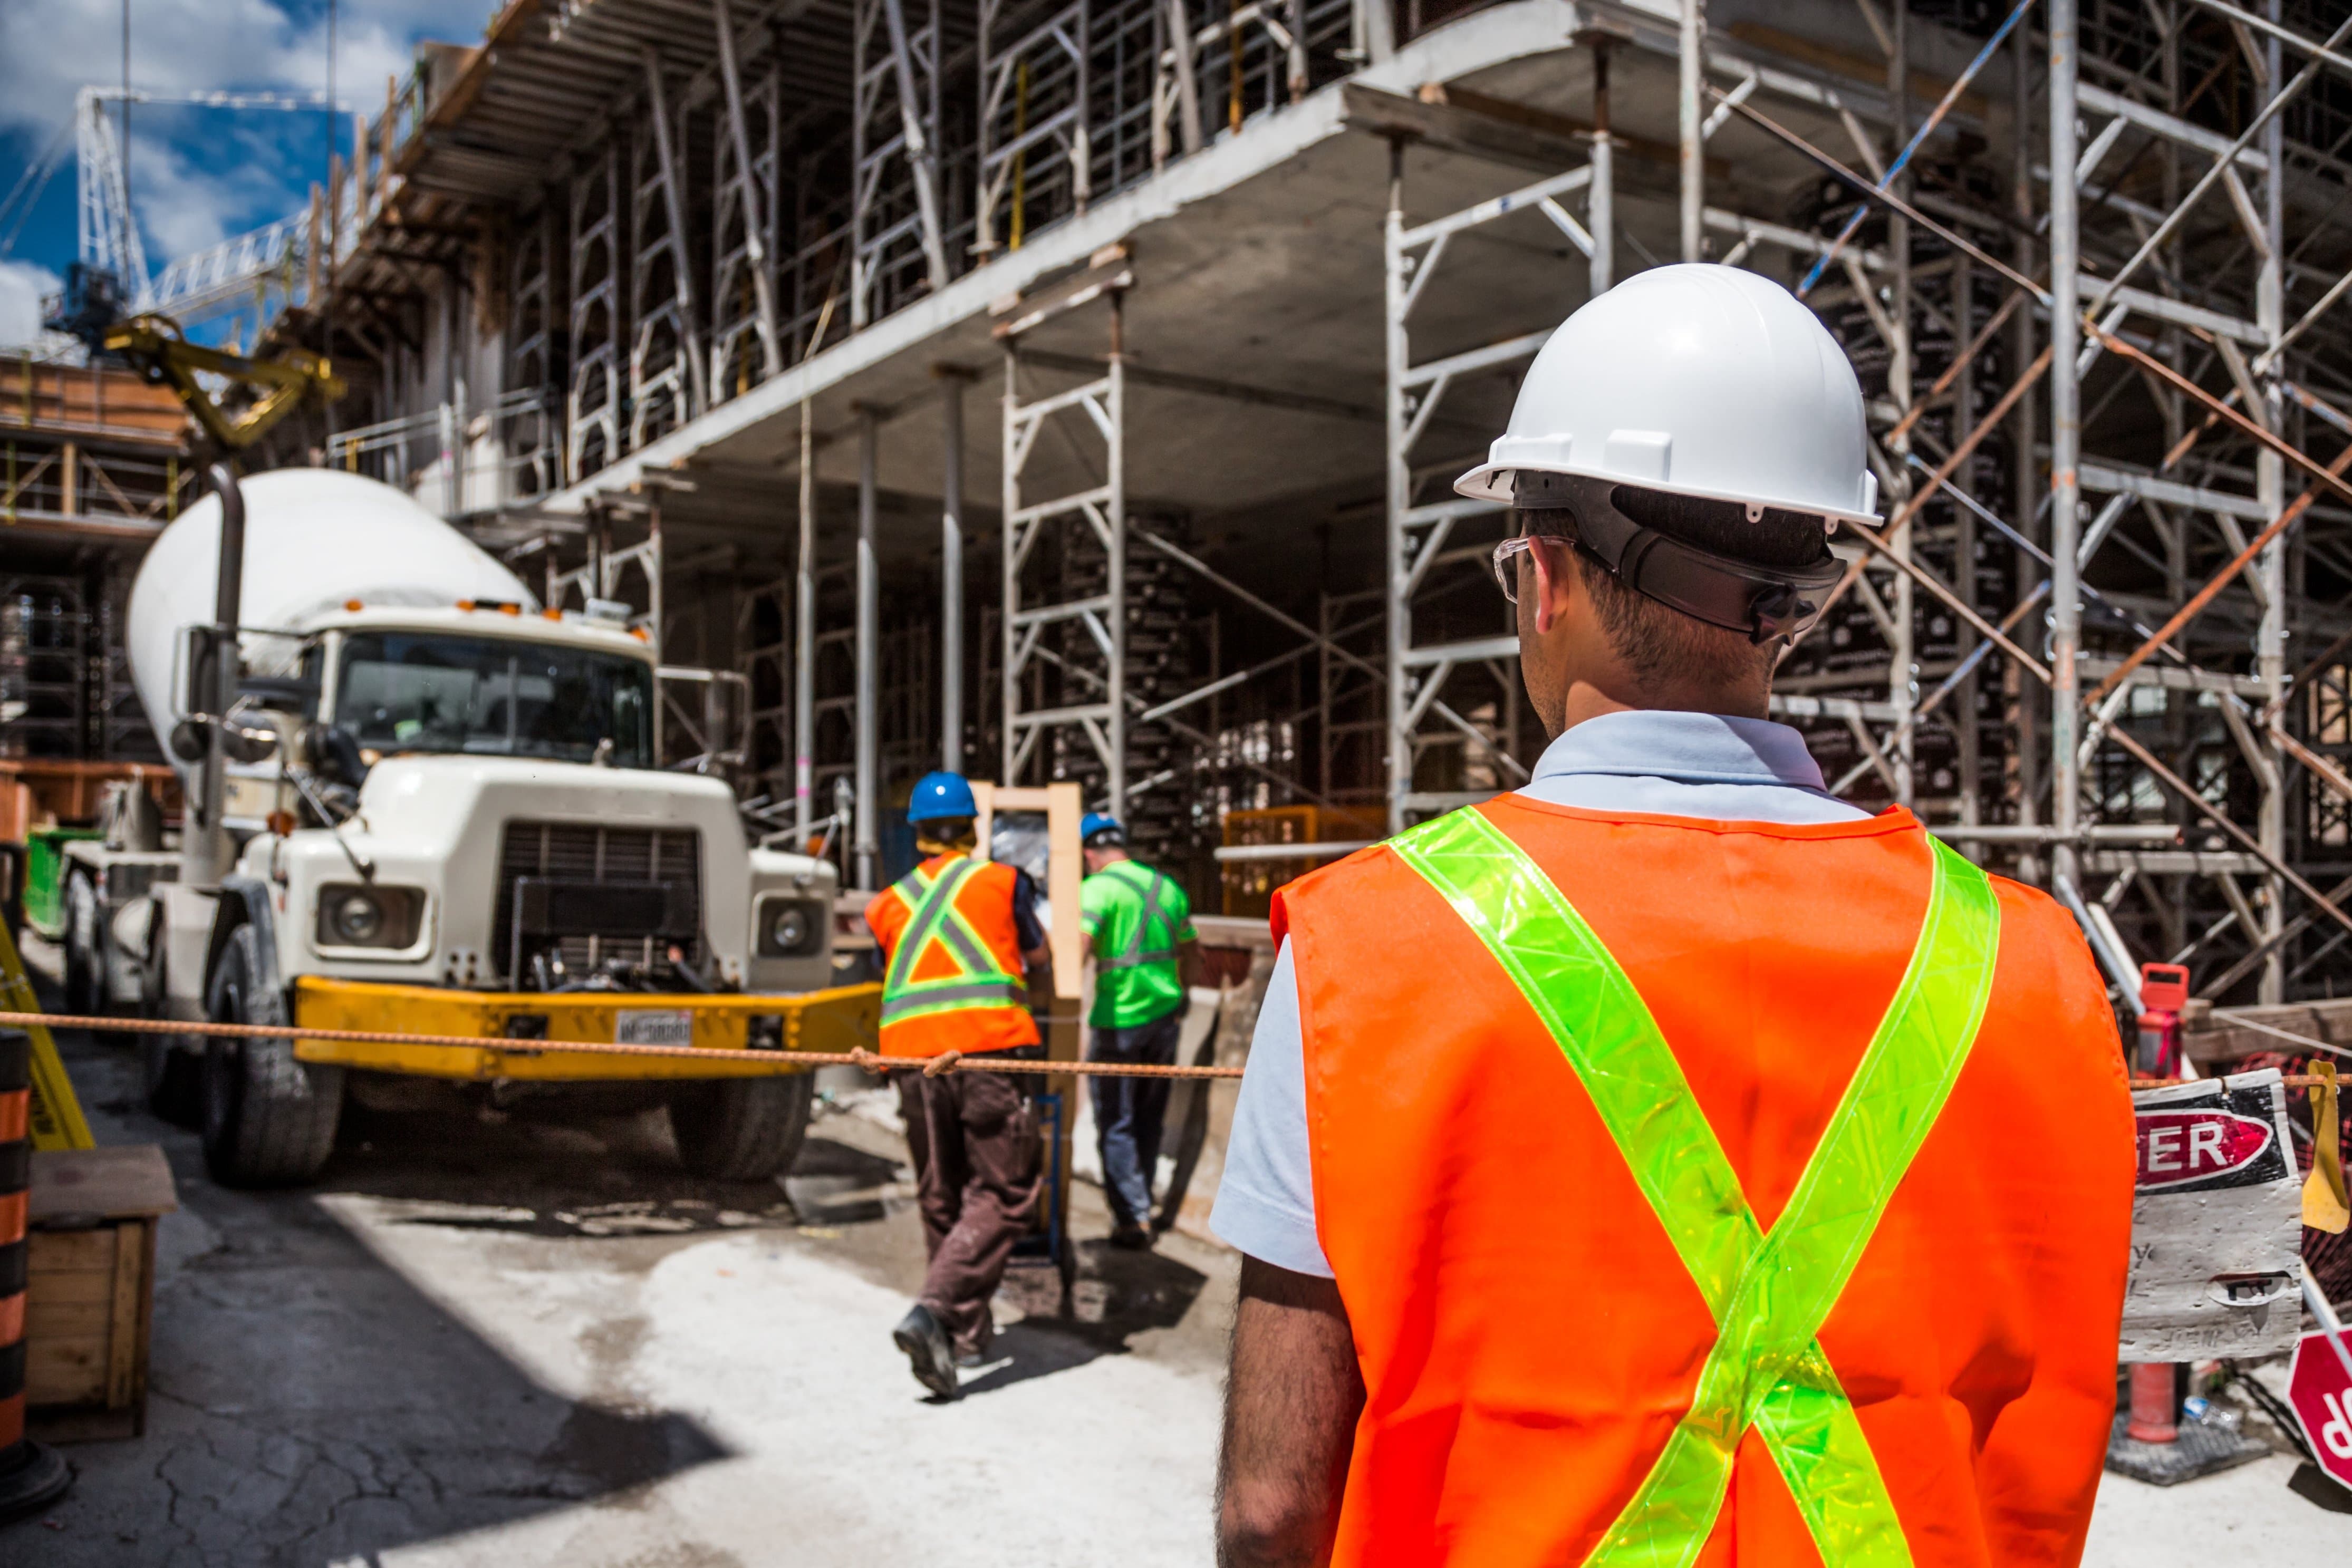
(1097, 822)
(938, 795)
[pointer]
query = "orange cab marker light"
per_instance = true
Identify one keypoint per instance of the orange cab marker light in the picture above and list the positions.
(467, 604)
(639, 634)
(552, 614)
(353, 604)
(509, 609)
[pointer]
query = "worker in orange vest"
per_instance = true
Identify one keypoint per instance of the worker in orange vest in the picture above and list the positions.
(1667, 1163)
(965, 963)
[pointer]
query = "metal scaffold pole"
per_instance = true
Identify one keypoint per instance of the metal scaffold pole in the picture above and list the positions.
(952, 566)
(2065, 445)
(865, 846)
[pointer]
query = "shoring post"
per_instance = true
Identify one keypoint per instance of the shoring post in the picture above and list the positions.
(1693, 64)
(1399, 494)
(1114, 468)
(1903, 660)
(804, 641)
(2270, 489)
(2065, 444)
(951, 565)
(1601, 196)
(866, 849)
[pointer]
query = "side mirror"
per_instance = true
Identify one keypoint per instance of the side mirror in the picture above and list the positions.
(333, 755)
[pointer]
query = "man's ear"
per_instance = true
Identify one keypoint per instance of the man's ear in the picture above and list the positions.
(1553, 565)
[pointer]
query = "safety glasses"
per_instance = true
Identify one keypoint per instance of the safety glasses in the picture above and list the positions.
(1506, 571)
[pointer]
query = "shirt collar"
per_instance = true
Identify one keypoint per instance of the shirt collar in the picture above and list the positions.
(1690, 747)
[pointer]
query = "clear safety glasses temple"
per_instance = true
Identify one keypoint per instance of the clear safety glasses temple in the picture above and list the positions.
(1506, 571)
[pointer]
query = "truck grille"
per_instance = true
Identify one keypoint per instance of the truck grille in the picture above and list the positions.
(581, 852)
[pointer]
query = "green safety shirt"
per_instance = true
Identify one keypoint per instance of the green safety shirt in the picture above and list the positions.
(1134, 917)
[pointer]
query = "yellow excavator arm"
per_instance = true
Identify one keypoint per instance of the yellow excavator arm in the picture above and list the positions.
(155, 344)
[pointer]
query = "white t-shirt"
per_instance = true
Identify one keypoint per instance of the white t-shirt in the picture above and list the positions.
(1697, 765)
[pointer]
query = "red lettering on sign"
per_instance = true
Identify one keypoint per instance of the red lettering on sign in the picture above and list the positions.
(2177, 1146)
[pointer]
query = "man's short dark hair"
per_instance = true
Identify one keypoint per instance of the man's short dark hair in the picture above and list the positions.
(1655, 639)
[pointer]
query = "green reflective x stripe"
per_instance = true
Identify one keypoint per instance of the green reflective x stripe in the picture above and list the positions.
(1768, 1295)
(1136, 953)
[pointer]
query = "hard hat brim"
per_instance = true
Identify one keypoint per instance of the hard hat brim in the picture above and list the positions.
(1492, 482)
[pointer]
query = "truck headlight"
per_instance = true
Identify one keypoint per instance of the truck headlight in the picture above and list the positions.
(790, 927)
(353, 914)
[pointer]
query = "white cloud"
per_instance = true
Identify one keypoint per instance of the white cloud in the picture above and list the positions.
(195, 177)
(21, 287)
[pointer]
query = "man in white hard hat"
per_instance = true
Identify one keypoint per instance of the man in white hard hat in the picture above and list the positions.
(1669, 1162)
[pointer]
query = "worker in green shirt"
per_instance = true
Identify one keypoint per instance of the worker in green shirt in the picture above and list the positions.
(1139, 926)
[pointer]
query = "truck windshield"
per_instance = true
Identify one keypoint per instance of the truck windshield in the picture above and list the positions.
(404, 691)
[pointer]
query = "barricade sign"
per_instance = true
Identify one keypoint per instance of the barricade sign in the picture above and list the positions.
(2320, 1389)
(2217, 1223)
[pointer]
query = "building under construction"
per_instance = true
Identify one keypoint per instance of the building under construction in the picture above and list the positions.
(1072, 389)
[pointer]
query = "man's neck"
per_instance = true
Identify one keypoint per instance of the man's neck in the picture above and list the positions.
(1586, 701)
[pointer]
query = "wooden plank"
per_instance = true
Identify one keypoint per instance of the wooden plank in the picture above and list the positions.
(46, 1317)
(65, 1371)
(44, 1289)
(123, 1346)
(114, 1183)
(71, 1251)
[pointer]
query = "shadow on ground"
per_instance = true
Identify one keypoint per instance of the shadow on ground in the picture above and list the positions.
(311, 1405)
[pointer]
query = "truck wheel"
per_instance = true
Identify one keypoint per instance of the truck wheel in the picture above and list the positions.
(85, 965)
(741, 1129)
(174, 1080)
(269, 1120)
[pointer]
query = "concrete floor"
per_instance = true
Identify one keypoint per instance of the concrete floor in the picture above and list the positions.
(531, 1340)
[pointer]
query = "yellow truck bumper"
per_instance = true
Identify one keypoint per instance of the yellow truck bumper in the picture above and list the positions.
(836, 1019)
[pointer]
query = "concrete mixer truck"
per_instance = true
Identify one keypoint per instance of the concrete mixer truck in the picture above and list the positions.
(420, 803)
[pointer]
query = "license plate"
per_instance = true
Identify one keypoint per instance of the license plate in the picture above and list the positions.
(654, 1026)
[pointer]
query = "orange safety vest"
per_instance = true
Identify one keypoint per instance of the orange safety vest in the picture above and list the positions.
(953, 956)
(1541, 1334)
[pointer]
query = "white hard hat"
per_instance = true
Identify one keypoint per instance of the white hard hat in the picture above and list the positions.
(1698, 380)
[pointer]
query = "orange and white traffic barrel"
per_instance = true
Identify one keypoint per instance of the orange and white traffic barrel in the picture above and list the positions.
(32, 1475)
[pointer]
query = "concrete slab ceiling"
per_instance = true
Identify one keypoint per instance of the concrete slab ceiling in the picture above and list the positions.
(1254, 327)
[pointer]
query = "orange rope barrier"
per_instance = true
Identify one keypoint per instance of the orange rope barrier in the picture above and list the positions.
(932, 1066)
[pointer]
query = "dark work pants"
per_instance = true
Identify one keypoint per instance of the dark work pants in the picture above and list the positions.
(1128, 1113)
(978, 1177)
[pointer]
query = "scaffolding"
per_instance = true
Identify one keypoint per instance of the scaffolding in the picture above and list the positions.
(2088, 258)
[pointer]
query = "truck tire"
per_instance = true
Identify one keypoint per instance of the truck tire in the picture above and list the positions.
(174, 1080)
(269, 1120)
(84, 962)
(741, 1129)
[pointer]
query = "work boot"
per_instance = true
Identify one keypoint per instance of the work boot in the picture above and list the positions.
(1133, 1238)
(928, 1354)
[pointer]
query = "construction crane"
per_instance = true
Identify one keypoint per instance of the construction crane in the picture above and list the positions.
(108, 279)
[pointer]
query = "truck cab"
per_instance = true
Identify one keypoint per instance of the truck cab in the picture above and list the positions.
(449, 819)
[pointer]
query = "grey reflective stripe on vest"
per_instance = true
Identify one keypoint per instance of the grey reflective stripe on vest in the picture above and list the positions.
(939, 996)
(1136, 953)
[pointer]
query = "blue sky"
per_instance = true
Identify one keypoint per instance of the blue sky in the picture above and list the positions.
(197, 175)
